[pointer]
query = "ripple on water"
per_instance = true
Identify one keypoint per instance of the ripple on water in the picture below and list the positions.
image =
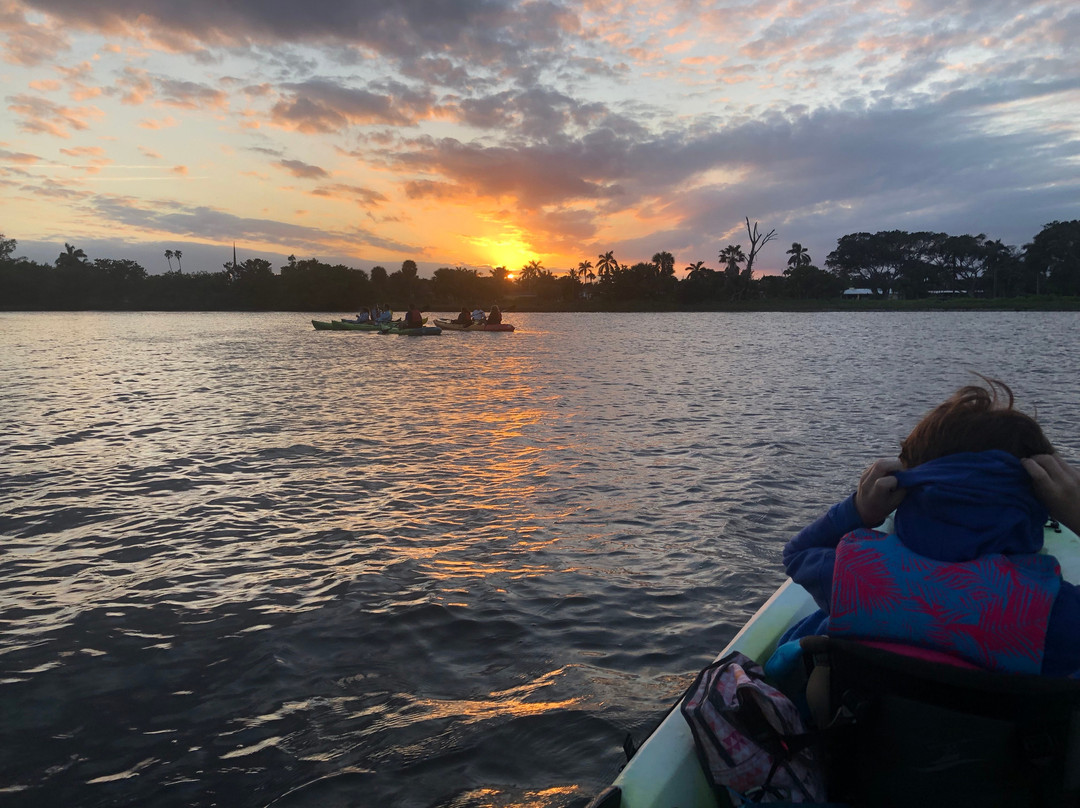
(243, 557)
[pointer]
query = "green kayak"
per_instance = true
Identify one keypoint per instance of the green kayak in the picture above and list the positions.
(343, 325)
(423, 331)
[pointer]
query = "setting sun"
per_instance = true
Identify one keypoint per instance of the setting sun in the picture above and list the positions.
(511, 253)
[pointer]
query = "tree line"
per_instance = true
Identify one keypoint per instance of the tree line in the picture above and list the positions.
(893, 263)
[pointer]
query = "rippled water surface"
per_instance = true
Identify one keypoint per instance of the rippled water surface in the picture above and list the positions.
(243, 561)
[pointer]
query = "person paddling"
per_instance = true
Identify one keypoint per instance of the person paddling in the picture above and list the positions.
(413, 317)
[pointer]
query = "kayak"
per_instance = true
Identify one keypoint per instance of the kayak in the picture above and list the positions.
(665, 771)
(450, 325)
(423, 331)
(343, 325)
(352, 325)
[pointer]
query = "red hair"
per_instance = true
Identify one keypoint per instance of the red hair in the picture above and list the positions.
(974, 419)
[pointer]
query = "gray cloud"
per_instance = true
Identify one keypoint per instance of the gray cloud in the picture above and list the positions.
(302, 170)
(364, 197)
(487, 31)
(207, 223)
(322, 106)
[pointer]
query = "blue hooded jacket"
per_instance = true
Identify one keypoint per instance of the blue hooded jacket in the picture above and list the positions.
(957, 508)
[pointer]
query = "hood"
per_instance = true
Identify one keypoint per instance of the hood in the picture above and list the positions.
(966, 505)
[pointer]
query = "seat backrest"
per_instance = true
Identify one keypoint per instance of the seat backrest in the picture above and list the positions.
(904, 731)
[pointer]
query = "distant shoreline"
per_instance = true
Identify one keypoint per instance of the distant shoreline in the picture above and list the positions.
(1041, 303)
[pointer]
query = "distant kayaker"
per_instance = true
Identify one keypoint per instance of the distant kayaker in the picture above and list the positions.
(364, 316)
(479, 315)
(385, 313)
(464, 317)
(957, 576)
(413, 317)
(495, 317)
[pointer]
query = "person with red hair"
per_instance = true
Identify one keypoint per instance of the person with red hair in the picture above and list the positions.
(957, 573)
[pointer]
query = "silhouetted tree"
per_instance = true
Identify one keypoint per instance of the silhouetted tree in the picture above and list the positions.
(665, 262)
(71, 258)
(7, 247)
(1054, 255)
(874, 261)
(808, 282)
(457, 285)
(731, 256)
(404, 285)
(606, 265)
(799, 256)
(731, 281)
(965, 260)
(757, 242)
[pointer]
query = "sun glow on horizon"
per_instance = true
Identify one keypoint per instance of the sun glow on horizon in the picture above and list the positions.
(511, 252)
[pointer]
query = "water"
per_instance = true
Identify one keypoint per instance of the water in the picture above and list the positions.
(244, 562)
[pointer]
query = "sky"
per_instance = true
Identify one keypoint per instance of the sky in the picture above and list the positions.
(484, 133)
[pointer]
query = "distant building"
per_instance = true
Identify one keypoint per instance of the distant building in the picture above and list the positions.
(858, 294)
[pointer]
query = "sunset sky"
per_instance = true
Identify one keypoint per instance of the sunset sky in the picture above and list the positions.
(492, 132)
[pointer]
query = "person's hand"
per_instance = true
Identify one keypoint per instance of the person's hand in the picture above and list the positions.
(1057, 485)
(879, 492)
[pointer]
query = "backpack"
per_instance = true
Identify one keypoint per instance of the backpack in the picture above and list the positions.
(750, 738)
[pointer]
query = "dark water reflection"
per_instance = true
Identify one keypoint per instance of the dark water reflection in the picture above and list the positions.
(240, 555)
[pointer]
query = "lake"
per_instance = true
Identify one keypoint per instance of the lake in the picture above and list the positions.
(245, 562)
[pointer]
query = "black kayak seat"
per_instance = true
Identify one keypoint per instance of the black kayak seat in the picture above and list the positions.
(901, 731)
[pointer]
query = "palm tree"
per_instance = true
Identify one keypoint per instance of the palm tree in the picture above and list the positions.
(168, 257)
(529, 274)
(607, 264)
(694, 269)
(799, 256)
(71, 257)
(665, 262)
(584, 270)
(177, 253)
(732, 255)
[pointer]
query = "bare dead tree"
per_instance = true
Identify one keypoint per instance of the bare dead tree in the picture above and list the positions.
(757, 241)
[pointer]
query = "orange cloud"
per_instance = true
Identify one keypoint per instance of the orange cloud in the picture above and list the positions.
(40, 116)
(84, 151)
(135, 86)
(165, 123)
(29, 45)
(19, 158)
